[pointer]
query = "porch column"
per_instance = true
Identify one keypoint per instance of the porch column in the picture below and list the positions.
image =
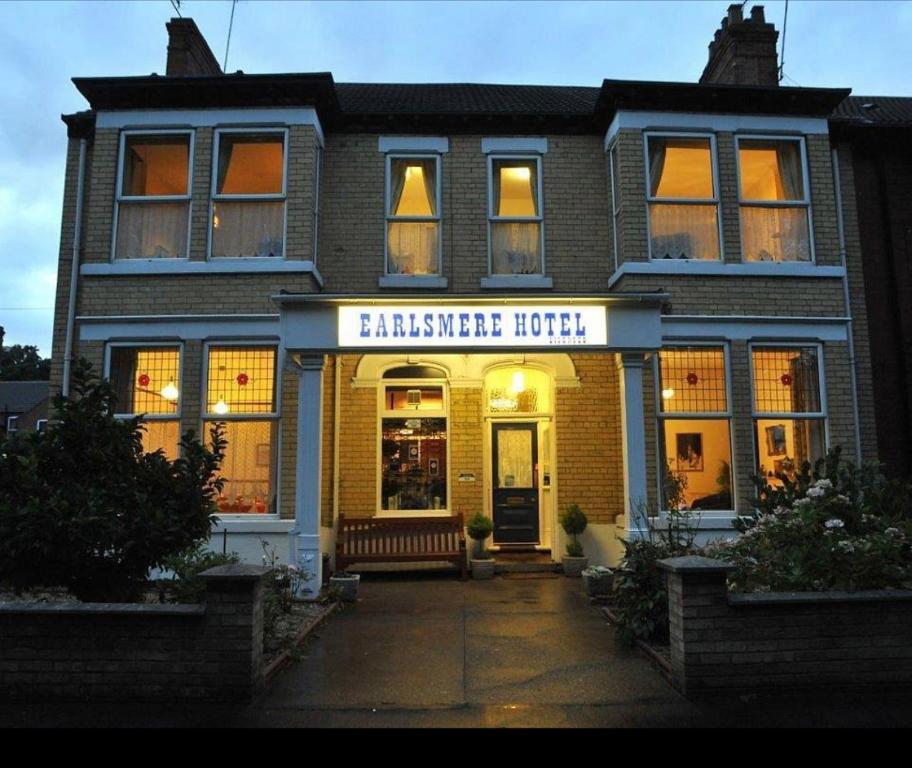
(633, 437)
(305, 536)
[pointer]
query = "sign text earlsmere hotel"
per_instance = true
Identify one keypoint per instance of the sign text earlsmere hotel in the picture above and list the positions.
(398, 326)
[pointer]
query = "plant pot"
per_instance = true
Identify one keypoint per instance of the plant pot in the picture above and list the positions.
(482, 569)
(598, 584)
(346, 586)
(573, 566)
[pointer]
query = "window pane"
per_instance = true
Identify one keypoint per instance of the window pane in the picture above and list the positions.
(156, 165)
(151, 230)
(251, 164)
(414, 466)
(698, 457)
(783, 445)
(161, 435)
(253, 228)
(692, 380)
(516, 248)
(414, 399)
(684, 231)
(412, 247)
(518, 390)
(413, 187)
(515, 188)
(146, 380)
(248, 467)
(786, 380)
(241, 380)
(680, 168)
(775, 234)
(770, 170)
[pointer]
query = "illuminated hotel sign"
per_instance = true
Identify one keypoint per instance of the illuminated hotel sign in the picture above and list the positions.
(399, 326)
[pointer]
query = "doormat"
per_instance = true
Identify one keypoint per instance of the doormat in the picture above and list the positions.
(530, 575)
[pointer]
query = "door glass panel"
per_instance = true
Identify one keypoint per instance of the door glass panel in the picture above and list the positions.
(514, 458)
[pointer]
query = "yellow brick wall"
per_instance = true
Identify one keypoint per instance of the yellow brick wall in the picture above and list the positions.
(466, 454)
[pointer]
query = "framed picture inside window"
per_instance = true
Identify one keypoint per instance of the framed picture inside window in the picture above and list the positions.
(776, 443)
(689, 451)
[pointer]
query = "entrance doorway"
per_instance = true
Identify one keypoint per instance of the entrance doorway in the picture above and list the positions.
(515, 482)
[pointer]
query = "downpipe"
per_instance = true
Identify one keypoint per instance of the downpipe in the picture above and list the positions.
(74, 273)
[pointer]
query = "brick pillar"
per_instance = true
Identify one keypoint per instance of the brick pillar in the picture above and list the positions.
(697, 597)
(233, 635)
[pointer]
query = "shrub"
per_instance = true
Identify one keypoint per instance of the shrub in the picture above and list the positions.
(479, 528)
(185, 586)
(82, 506)
(574, 521)
(282, 585)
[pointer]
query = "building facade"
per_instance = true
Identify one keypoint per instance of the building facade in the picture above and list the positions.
(437, 299)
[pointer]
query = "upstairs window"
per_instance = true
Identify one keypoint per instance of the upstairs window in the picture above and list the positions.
(413, 215)
(773, 193)
(683, 197)
(515, 216)
(248, 196)
(12, 425)
(153, 195)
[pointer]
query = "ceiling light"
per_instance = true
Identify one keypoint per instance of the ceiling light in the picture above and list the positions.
(170, 392)
(221, 407)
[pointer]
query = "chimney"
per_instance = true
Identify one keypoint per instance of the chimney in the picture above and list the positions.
(189, 54)
(743, 51)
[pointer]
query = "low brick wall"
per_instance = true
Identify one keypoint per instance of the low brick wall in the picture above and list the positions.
(96, 651)
(725, 643)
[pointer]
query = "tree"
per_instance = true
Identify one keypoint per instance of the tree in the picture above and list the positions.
(83, 506)
(23, 363)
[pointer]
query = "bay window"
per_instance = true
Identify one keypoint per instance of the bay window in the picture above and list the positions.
(413, 215)
(240, 396)
(515, 216)
(683, 197)
(153, 195)
(147, 383)
(248, 194)
(789, 414)
(774, 199)
(695, 428)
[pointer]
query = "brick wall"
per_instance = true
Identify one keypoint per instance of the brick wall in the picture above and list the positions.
(728, 644)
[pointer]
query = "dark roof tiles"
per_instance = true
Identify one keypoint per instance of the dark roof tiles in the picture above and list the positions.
(885, 111)
(22, 396)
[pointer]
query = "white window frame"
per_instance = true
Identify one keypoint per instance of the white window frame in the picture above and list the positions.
(805, 202)
(275, 415)
(11, 422)
(614, 191)
(276, 197)
(120, 197)
(41, 425)
(727, 415)
(492, 219)
(389, 217)
(821, 415)
(701, 201)
(383, 413)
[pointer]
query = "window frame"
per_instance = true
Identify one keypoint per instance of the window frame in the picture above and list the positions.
(540, 219)
(275, 416)
(11, 422)
(716, 200)
(805, 202)
(389, 217)
(727, 415)
(41, 425)
(215, 197)
(383, 413)
(821, 415)
(614, 191)
(120, 198)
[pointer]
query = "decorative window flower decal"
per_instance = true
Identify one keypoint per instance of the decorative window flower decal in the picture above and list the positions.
(144, 380)
(786, 380)
(242, 379)
(692, 378)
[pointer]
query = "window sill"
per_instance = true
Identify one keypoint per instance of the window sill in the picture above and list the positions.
(506, 282)
(245, 524)
(412, 281)
(722, 269)
(186, 267)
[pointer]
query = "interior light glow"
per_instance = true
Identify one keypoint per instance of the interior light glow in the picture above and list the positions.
(668, 393)
(170, 392)
(519, 174)
(519, 383)
(221, 407)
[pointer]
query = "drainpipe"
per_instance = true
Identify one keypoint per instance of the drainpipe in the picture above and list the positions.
(74, 272)
(853, 363)
(337, 414)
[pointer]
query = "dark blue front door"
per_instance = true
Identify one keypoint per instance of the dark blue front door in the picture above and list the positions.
(515, 473)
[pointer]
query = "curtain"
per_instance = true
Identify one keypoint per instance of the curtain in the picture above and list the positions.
(495, 202)
(690, 231)
(788, 160)
(775, 234)
(429, 174)
(656, 164)
(412, 247)
(252, 228)
(533, 185)
(151, 230)
(397, 184)
(515, 248)
(123, 377)
(226, 147)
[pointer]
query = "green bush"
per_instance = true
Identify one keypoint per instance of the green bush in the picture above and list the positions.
(479, 528)
(82, 506)
(574, 521)
(185, 586)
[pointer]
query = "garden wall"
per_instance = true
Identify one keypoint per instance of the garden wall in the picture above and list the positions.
(94, 651)
(725, 643)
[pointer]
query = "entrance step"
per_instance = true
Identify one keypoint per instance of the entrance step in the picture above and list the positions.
(527, 561)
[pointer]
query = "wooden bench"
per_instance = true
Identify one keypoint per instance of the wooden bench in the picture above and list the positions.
(401, 540)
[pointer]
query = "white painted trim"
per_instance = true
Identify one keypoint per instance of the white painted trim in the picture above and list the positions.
(514, 144)
(722, 269)
(185, 267)
(178, 328)
(710, 121)
(252, 524)
(633, 437)
(439, 144)
(189, 118)
(709, 327)
(506, 282)
(417, 282)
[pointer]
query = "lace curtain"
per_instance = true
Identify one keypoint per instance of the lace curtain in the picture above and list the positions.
(684, 231)
(775, 234)
(252, 228)
(152, 230)
(516, 248)
(412, 247)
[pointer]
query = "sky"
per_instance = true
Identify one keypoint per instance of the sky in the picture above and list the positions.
(861, 45)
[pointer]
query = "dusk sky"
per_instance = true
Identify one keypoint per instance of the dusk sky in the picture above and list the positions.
(861, 45)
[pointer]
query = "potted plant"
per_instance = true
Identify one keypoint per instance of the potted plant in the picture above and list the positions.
(345, 585)
(598, 580)
(573, 521)
(479, 528)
